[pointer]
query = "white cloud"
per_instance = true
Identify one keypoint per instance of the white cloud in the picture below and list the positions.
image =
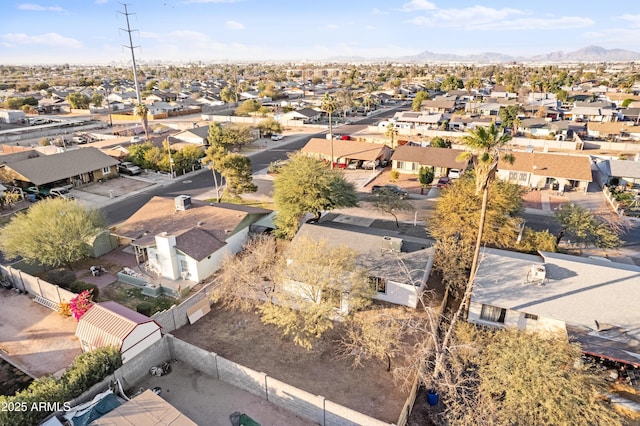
(507, 19)
(102, 1)
(623, 38)
(377, 11)
(39, 8)
(234, 25)
(48, 39)
(418, 5)
(634, 20)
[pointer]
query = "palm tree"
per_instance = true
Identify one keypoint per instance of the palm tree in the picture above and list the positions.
(329, 105)
(391, 132)
(141, 111)
(484, 144)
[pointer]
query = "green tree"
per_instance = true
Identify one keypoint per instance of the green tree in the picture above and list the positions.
(439, 142)
(390, 202)
(534, 241)
(96, 99)
(451, 82)
(627, 102)
(248, 107)
(236, 171)
(508, 114)
(52, 232)
(269, 126)
(230, 136)
(78, 100)
(417, 101)
(586, 229)
(391, 132)
(227, 95)
(329, 105)
(425, 177)
(306, 185)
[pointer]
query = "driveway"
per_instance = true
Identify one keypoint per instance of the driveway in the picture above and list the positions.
(35, 338)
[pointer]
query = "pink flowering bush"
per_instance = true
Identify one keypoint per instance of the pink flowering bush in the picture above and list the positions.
(81, 304)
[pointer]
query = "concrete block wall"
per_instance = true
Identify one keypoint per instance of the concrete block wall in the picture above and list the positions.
(176, 317)
(339, 415)
(296, 400)
(138, 367)
(242, 377)
(195, 357)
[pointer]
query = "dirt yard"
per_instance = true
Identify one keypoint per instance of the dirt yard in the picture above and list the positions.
(242, 338)
(38, 339)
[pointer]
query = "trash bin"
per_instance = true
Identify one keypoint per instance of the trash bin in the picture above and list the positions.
(432, 397)
(32, 197)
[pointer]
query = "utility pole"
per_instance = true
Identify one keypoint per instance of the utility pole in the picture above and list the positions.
(131, 47)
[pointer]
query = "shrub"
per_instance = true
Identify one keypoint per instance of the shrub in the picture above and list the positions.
(145, 308)
(65, 309)
(80, 304)
(61, 277)
(80, 286)
(394, 175)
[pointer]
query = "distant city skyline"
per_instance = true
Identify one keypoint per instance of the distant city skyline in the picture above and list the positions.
(88, 32)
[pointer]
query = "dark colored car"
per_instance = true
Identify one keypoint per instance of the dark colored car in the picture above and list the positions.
(376, 189)
(443, 182)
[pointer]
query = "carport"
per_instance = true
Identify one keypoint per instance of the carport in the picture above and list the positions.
(344, 151)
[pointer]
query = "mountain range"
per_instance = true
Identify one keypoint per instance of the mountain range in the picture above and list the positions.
(586, 54)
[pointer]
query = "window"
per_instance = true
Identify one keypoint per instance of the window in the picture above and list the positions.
(531, 317)
(513, 175)
(106, 170)
(379, 284)
(493, 314)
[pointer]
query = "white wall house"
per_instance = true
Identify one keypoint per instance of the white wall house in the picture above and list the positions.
(593, 301)
(386, 259)
(109, 323)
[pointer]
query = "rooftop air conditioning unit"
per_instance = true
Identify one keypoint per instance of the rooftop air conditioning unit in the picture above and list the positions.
(392, 244)
(537, 274)
(183, 202)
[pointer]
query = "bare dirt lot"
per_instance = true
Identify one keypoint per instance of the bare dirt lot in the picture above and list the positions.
(242, 338)
(37, 338)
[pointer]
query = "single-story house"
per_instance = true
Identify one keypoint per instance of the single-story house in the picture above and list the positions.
(593, 301)
(75, 167)
(409, 159)
(419, 120)
(617, 131)
(197, 135)
(187, 239)
(545, 170)
(626, 171)
(386, 256)
(442, 105)
(306, 115)
(344, 151)
(459, 122)
(109, 323)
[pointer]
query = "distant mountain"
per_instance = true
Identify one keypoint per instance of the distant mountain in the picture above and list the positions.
(587, 54)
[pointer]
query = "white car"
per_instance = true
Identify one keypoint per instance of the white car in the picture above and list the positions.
(277, 137)
(455, 173)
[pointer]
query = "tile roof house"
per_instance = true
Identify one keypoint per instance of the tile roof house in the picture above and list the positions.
(197, 135)
(409, 159)
(346, 150)
(616, 131)
(77, 166)
(386, 256)
(109, 323)
(306, 115)
(442, 105)
(542, 170)
(593, 301)
(419, 120)
(187, 239)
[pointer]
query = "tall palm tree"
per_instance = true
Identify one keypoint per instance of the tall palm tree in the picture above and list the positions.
(141, 111)
(483, 148)
(329, 105)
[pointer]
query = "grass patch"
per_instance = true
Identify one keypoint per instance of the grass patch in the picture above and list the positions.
(131, 297)
(243, 202)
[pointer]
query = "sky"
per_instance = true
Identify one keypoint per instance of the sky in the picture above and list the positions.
(89, 31)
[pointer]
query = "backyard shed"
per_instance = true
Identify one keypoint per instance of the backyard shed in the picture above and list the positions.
(109, 323)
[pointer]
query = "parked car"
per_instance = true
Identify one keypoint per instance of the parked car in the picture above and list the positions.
(277, 137)
(354, 164)
(443, 182)
(135, 139)
(61, 192)
(129, 168)
(370, 164)
(377, 189)
(78, 140)
(455, 173)
(345, 137)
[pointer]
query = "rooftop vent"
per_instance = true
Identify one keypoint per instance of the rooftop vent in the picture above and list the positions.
(391, 244)
(183, 202)
(537, 274)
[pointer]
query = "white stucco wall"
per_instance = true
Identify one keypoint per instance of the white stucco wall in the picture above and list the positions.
(143, 336)
(209, 265)
(400, 294)
(515, 319)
